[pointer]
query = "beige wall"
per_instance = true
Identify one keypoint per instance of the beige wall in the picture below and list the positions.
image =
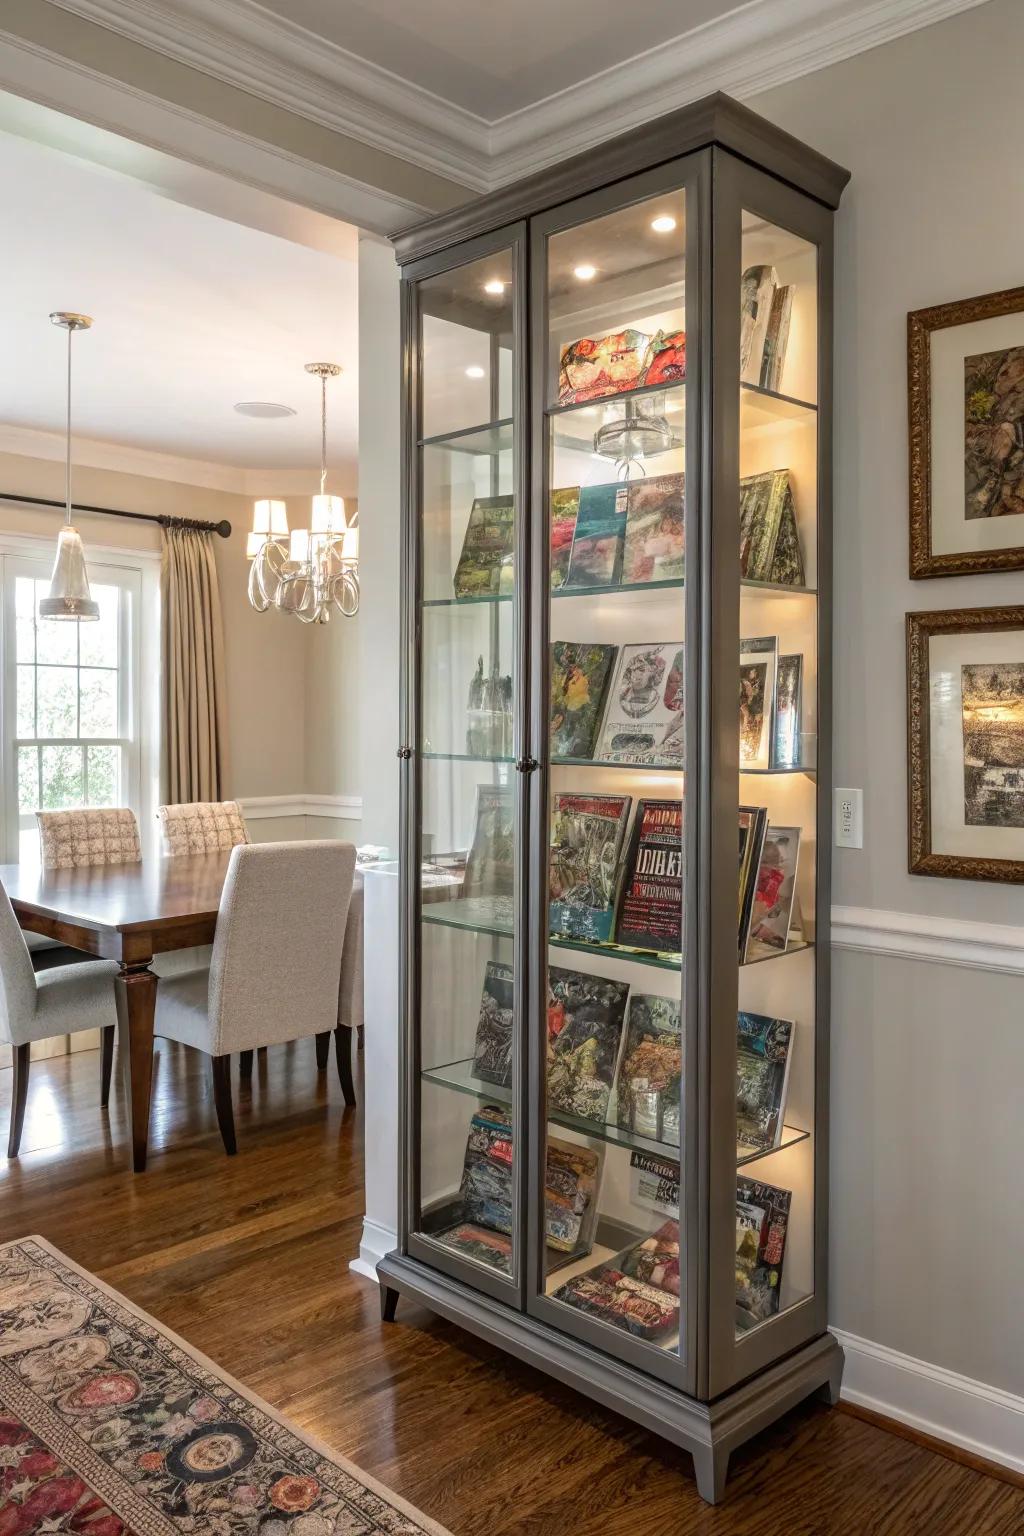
(265, 654)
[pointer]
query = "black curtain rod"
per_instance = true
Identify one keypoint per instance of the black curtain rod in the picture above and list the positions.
(223, 527)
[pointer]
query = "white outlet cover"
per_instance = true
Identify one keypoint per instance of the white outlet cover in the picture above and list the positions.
(848, 818)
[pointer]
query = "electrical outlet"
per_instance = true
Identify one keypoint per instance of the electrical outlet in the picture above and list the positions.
(849, 818)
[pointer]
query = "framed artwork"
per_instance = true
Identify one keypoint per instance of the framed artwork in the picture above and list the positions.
(966, 391)
(965, 727)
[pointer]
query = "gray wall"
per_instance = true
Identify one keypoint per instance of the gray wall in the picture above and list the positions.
(927, 1059)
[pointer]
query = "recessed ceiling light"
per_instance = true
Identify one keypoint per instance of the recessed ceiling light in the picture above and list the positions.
(495, 286)
(664, 224)
(475, 372)
(584, 272)
(265, 409)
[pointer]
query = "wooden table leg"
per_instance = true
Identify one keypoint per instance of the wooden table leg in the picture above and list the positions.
(135, 994)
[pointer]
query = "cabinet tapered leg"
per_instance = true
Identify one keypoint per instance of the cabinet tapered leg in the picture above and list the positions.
(388, 1304)
(135, 995)
(711, 1465)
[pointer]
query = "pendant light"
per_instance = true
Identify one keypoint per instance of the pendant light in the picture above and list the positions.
(70, 597)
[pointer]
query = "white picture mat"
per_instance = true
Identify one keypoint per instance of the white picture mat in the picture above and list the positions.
(949, 831)
(952, 532)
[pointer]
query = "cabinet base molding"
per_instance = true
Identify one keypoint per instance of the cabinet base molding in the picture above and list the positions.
(710, 1432)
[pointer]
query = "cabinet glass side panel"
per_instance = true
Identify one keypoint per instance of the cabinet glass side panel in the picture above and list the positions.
(778, 687)
(615, 676)
(468, 1154)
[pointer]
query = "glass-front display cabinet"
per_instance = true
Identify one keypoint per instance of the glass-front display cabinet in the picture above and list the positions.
(616, 775)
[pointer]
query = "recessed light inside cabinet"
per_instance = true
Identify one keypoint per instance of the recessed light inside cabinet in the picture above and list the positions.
(584, 272)
(495, 286)
(664, 224)
(475, 372)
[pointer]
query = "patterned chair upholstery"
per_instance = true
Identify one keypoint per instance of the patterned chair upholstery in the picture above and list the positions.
(76, 839)
(205, 826)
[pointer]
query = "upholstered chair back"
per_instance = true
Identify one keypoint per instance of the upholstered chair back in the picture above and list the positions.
(276, 964)
(204, 826)
(77, 839)
(17, 978)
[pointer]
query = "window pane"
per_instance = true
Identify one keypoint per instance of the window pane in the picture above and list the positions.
(56, 640)
(98, 699)
(28, 780)
(24, 597)
(98, 642)
(57, 704)
(25, 637)
(26, 701)
(103, 775)
(63, 784)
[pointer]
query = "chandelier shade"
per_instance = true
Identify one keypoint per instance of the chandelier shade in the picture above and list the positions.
(306, 571)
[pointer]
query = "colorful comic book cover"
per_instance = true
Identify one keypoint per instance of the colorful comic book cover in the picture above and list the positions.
(788, 702)
(753, 822)
(485, 565)
(565, 506)
(478, 1243)
(585, 1016)
(596, 557)
(648, 1083)
(644, 719)
(762, 1217)
(492, 1057)
(758, 661)
(655, 1260)
(651, 909)
(653, 547)
(763, 1056)
(627, 1304)
(586, 841)
(607, 365)
(775, 890)
(579, 682)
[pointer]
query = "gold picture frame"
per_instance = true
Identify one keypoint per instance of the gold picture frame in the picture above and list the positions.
(939, 386)
(965, 727)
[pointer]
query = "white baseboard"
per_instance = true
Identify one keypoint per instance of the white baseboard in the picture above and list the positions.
(942, 940)
(271, 807)
(375, 1242)
(968, 1414)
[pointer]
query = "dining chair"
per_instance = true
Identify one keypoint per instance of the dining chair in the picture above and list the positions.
(275, 968)
(203, 826)
(37, 1005)
(92, 835)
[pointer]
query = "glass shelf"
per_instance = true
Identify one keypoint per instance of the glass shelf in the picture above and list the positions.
(471, 915)
(761, 407)
(631, 590)
(600, 402)
(593, 762)
(459, 1076)
(489, 437)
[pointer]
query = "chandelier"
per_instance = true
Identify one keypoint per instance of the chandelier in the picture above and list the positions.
(307, 570)
(70, 597)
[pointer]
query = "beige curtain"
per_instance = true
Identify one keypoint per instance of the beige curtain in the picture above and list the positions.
(194, 764)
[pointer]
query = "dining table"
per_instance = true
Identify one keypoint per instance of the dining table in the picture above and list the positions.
(131, 913)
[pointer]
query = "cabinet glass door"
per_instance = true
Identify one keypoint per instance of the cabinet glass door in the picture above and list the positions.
(618, 308)
(464, 1206)
(778, 800)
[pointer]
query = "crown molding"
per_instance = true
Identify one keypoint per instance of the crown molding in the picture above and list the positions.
(120, 458)
(761, 44)
(52, 80)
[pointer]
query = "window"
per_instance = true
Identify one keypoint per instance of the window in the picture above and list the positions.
(70, 718)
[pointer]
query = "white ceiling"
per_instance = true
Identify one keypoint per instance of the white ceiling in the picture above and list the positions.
(496, 59)
(192, 313)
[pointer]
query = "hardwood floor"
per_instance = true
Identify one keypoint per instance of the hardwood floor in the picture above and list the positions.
(247, 1258)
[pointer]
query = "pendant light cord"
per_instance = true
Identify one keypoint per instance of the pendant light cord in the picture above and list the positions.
(67, 443)
(323, 432)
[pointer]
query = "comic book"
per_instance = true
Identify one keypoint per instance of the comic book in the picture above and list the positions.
(579, 682)
(651, 909)
(644, 719)
(485, 564)
(492, 1058)
(763, 1057)
(585, 1016)
(598, 540)
(653, 538)
(586, 841)
(649, 1079)
(762, 1217)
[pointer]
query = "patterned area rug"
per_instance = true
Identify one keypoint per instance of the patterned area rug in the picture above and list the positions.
(110, 1425)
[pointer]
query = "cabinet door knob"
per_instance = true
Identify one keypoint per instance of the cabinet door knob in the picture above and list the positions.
(527, 765)
(404, 753)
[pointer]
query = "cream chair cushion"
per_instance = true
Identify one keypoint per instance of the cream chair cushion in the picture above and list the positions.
(275, 972)
(204, 826)
(76, 839)
(61, 1001)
